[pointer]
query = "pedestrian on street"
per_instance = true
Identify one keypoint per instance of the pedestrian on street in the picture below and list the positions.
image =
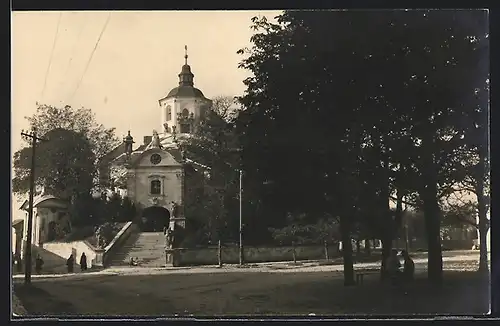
(408, 267)
(70, 263)
(393, 266)
(83, 262)
(38, 264)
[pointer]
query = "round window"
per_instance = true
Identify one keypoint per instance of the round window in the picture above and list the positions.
(155, 158)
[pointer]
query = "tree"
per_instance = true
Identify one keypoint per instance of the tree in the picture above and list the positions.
(81, 120)
(66, 162)
(226, 107)
(214, 145)
(402, 96)
(434, 91)
(64, 165)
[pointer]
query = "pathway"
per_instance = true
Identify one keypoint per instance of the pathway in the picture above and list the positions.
(459, 262)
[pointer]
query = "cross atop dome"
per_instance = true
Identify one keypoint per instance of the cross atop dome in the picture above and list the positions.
(186, 76)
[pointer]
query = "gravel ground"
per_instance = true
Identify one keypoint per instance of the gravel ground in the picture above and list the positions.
(270, 288)
(17, 306)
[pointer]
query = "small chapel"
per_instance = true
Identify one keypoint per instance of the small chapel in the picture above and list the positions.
(156, 175)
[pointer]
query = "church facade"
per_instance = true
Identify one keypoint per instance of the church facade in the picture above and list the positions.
(156, 176)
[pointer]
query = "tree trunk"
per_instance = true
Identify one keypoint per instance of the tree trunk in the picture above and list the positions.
(433, 227)
(294, 253)
(399, 213)
(219, 253)
(326, 250)
(368, 247)
(347, 251)
(358, 247)
(386, 251)
(482, 215)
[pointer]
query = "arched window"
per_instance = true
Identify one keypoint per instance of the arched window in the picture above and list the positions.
(155, 187)
(185, 113)
(169, 113)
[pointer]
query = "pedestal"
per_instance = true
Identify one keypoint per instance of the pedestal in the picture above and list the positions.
(173, 257)
(99, 258)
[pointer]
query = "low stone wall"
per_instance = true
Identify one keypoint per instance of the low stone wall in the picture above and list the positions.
(421, 244)
(95, 257)
(230, 255)
(65, 249)
(117, 242)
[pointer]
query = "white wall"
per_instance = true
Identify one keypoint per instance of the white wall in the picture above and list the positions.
(193, 105)
(13, 237)
(65, 249)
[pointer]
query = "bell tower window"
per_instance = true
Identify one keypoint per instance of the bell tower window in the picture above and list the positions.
(185, 121)
(169, 113)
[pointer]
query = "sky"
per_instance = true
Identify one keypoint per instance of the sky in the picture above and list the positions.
(136, 62)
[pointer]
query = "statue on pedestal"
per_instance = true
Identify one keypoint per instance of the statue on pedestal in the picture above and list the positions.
(98, 237)
(169, 238)
(156, 140)
(174, 209)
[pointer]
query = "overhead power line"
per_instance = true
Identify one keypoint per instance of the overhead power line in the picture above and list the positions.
(75, 45)
(52, 53)
(91, 55)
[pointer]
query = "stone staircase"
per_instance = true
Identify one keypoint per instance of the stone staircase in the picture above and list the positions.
(148, 247)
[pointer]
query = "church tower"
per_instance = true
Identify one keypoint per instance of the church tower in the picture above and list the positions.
(184, 106)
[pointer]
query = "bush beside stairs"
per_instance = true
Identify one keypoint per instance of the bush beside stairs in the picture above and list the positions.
(148, 247)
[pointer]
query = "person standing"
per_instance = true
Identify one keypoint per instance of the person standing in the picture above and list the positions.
(83, 262)
(70, 263)
(393, 266)
(408, 267)
(38, 264)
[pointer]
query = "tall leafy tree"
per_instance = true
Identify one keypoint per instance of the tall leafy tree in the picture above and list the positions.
(81, 120)
(64, 165)
(214, 145)
(316, 101)
(75, 140)
(66, 161)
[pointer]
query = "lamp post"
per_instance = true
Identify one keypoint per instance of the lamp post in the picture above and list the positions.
(241, 256)
(27, 249)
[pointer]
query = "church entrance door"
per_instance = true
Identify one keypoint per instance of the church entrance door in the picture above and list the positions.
(154, 219)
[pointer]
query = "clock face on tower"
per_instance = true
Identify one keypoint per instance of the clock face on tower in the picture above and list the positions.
(155, 159)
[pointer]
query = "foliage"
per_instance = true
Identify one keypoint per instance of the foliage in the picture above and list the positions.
(127, 210)
(64, 165)
(66, 162)
(107, 232)
(390, 121)
(214, 145)
(81, 120)
(299, 231)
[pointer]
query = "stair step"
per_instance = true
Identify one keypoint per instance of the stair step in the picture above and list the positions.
(148, 247)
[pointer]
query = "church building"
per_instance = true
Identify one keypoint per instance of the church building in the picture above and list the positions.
(155, 175)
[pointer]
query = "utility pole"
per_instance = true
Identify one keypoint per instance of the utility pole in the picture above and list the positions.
(241, 217)
(27, 249)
